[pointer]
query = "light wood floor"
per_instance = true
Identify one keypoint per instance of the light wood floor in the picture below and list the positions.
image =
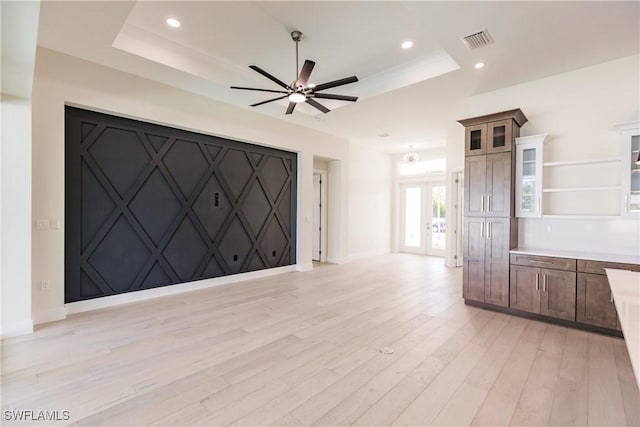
(302, 349)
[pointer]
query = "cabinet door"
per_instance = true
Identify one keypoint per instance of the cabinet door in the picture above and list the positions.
(499, 136)
(498, 202)
(475, 185)
(496, 282)
(475, 140)
(528, 199)
(524, 292)
(594, 303)
(474, 259)
(558, 294)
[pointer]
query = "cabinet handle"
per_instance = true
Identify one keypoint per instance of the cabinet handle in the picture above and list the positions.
(538, 282)
(489, 203)
(482, 230)
(482, 204)
(540, 262)
(488, 230)
(544, 283)
(611, 297)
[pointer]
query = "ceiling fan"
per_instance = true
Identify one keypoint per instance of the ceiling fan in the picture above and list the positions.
(301, 90)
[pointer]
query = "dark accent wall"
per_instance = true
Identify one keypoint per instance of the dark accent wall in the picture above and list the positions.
(149, 206)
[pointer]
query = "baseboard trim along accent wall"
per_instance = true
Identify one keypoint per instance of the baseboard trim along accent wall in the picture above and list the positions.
(147, 294)
(47, 316)
(16, 328)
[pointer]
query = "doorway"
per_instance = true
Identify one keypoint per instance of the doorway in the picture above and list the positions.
(423, 218)
(319, 239)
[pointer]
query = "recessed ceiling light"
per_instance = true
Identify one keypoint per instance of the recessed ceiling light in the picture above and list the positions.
(172, 22)
(479, 65)
(406, 44)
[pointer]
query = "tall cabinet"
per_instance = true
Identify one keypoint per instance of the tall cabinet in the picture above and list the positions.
(490, 227)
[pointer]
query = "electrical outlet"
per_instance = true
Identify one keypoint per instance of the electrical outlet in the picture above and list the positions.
(42, 224)
(45, 285)
(548, 228)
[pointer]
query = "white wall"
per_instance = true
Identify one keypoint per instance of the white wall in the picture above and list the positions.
(63, 79)
(369, 204)
(15, 225)
(19, 27)
(578, 110)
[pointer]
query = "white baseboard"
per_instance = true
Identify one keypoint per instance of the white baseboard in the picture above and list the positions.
(368, 254)
(114, 300)
(335, 260)
(304, 267)
(50, 315)
(16, 328)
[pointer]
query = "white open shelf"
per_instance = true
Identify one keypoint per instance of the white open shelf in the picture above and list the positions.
(574, 189)
(582, 162)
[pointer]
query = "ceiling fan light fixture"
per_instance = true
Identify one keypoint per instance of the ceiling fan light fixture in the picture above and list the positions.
(297, 97)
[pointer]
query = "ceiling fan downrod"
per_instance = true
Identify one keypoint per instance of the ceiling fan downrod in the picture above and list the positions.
(296, 36)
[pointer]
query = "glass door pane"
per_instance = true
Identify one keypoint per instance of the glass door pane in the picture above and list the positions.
(438, 218)
(634, 197)
(412, 217)
(528, 198)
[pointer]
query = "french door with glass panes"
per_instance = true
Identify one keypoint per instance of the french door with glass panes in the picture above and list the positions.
(423, 218)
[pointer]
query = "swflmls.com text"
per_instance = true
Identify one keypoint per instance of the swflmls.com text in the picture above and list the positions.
(31, 415)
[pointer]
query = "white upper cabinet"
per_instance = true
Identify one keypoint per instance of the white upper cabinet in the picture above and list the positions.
(529, 162)
(630, 138)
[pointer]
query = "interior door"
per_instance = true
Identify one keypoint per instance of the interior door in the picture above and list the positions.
(317, 214)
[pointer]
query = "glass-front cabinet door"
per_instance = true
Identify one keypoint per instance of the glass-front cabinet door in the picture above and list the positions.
(499, 136)
(529, 158)
(475, 139)
(631, 169)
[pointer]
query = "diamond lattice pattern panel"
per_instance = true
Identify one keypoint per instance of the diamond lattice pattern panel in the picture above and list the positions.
(150, 206)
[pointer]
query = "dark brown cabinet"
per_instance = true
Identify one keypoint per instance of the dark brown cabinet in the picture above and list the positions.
(490, 229)
(486, 260)
(543, 291)
(594, 304)
(493, 133)
(488, 185)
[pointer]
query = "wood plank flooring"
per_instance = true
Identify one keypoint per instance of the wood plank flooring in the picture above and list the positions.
(301, 349)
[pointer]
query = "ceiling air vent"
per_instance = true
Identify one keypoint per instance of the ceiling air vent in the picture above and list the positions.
(477, 40)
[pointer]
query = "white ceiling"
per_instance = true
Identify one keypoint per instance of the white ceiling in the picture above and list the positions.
(407, 94)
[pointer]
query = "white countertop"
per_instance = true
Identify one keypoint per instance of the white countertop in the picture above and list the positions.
(625, 287)
(591, 256)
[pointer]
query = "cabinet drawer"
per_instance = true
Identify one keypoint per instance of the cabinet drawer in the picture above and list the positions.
(544, 262)
(597, 267)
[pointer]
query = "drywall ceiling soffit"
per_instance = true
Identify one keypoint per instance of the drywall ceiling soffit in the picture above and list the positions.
(410, 94)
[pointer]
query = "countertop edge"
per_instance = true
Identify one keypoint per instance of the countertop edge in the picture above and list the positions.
(589, 256)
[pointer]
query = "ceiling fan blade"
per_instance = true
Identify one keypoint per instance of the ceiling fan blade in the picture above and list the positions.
(269, 100)
(305, 72)
(317, 105)
(261, 90)
(338, 97)
(335, 83)
(290, 108)
(269, 76)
